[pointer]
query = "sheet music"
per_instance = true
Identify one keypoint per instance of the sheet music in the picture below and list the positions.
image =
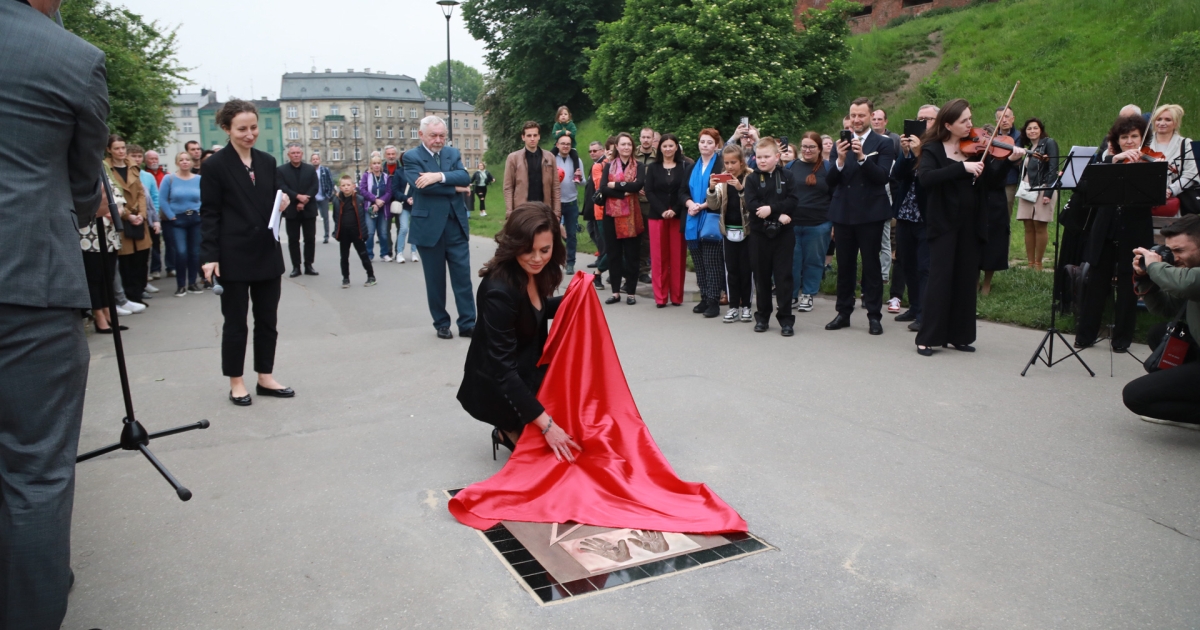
(276, 212)
(1073, 169)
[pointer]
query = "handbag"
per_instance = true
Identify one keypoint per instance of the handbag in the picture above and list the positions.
(1175, 347)
(1024, 191)
(735, 234)
(135, 232)
(710, 226)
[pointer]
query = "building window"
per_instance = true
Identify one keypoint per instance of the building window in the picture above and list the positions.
(291, 111)
(377, 114)
(389, 112)
(184, 112)
(293, 133)
(412, 113)
(357, 133)
(456, 123)
(270, 146)
(476, 123)
(378, 132)
(268, 123)
(476, 143)
(413, 135)
(335, 132)
(391, 132)
(335, 155)
(316, 132)
(333, 110)
(313, 112)
(187, 127)
(357, 154)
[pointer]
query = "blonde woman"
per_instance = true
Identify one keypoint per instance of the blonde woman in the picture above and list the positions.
(1167, 140)
(376, 188)
(179, 201)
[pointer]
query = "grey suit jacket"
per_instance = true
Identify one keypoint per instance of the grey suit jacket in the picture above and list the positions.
(53, 106)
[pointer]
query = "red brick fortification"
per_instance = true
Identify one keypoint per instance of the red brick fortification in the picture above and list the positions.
(877, 13)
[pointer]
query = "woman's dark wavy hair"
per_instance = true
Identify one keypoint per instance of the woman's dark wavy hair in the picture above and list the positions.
(1124, 125)
(231, 109)
(1025, 141)
(680, 158)
(516, 237)
(948, 115)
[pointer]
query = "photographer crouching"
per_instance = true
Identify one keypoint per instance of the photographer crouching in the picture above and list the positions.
(1171, 288)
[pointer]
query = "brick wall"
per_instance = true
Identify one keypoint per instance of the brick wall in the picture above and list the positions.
(877, 13)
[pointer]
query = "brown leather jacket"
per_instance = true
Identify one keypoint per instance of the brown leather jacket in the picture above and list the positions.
(516, 181)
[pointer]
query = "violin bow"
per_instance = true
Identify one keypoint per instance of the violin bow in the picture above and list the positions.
(988, 146)
(1150, 123)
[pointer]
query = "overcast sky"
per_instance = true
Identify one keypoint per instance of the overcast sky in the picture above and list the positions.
(235, 45)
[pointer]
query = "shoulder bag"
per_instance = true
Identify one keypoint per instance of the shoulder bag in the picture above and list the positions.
(1176, 347)
(1024, 189)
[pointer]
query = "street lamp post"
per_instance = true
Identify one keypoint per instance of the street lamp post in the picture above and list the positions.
(448, 10)
(354, 117)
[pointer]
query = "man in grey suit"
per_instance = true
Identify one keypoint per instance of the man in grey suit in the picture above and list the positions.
(53, 104)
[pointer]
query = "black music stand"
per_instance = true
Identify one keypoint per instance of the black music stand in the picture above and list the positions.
(1073, 171)
(133, 435)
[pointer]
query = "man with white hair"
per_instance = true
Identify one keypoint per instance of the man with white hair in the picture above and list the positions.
(439, 225)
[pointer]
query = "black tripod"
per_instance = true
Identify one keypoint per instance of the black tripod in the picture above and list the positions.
(133, 435)
(1045, 349)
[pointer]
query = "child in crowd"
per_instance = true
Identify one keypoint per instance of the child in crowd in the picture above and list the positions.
(350, 228)
(564, 127)
(770, 200)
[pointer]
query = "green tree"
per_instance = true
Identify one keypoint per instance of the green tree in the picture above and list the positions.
(683, 65)
(143, 71)
(536, 49)
(467, 82)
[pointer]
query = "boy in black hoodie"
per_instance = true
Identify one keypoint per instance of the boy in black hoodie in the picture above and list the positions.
(770, 200)
(349, 228)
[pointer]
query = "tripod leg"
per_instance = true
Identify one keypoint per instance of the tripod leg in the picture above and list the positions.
(1038, 352)
(203, 424)
(1075, 353)
(98, 452)
(184, 493)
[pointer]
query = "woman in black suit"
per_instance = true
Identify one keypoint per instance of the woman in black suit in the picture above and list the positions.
(501, 376)
(237, 195)
(955, 226)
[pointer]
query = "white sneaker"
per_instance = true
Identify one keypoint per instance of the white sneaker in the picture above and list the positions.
(123, 312)
(386, 258)
(482, 213)
(1172, 423)
(746, 316)
(150, 288)
(732, 315)
(415, 259)
(894, 305)
(805, 304)
(134, 307)
(400, 258)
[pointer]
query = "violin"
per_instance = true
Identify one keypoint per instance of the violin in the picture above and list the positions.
(1150, 155)
(977, 142)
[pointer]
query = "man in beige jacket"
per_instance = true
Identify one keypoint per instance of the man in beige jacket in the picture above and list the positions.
(521, 183)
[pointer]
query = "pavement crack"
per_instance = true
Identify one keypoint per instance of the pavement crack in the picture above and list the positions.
(1172, 529)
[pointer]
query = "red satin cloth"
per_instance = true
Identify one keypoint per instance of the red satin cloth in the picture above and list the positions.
(620, 479)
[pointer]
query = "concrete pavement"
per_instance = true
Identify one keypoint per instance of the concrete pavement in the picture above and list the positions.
(901, 491)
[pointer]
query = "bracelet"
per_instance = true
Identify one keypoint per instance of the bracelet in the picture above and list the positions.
(548, 425)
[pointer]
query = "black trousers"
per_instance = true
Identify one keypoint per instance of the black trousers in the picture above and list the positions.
(309, 225)
(43, 376)
(771, 261)
(134, 269)
(1167, 395)
(481, 193)
(623, 255)
(948, 311)
(235, 302)
(737, 270)
(1116, 257)
(360, 247)
(867, 239)
(914, 260)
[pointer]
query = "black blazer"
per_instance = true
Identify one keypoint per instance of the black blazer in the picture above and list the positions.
(660, 192)
(234, 213)
(949, 193)
(501, 377)
(299, 181)
(860, 191)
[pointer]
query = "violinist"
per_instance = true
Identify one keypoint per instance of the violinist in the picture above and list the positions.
(955, 224)
(1175, 149)
(1040, 173)
(1115, 232)
(996, 208)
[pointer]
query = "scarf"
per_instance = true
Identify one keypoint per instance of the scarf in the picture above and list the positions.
(626, 211)
(698, 187)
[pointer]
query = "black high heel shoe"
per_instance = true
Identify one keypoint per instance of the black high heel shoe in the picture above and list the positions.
(500, 438)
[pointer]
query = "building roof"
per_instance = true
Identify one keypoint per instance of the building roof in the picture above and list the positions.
(440, 106)
(259, 104)
(349, 85)
(194, 98)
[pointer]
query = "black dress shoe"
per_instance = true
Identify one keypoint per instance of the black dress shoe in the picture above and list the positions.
(295, 273)
(786, 330)
(444, 333)
(663, 305)
(875, 326)
(1120, 349)
(597, 282)
(613, 299)
(712, 311)
(286, 392)
(109, 331)
(241, 401)
(309, 271)
(915, 326)
(961, 347)
(761, 326)
(925, 352)
(631, 300)
(1079, 345)
(466, 332)
(906, 316)
(841, 321)
(701, 307)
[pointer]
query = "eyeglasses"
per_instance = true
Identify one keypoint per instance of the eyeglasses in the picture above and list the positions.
(805, 147)
(925, 118)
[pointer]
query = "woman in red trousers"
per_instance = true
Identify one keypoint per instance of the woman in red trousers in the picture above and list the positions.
(664, 188)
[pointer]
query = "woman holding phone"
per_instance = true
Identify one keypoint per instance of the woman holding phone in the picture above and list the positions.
(237, 247)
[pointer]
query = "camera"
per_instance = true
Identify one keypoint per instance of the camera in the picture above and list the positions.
(1162, 250)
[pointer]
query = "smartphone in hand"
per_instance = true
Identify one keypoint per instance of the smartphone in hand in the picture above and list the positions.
(722, 178)
(846, 136)
(914, 128)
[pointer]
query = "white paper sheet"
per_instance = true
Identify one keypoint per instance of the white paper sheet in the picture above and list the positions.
(275, 214)
(1073, 169)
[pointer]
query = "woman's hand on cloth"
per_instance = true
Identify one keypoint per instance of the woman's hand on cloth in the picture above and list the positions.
(559, 442)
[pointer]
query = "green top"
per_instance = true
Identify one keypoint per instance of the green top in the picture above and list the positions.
(1173, 287)
(559, 129)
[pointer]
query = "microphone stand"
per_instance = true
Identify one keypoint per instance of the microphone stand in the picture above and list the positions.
(134, 436)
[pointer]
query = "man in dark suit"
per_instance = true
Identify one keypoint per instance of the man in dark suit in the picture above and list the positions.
(859, 211)
(53, 104)
(439, 225)
(299, 182)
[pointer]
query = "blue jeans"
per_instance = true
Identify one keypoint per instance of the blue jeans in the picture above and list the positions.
(570, 215)
(402, 234)
(378, 226)
(808, 262)
(186, 231)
